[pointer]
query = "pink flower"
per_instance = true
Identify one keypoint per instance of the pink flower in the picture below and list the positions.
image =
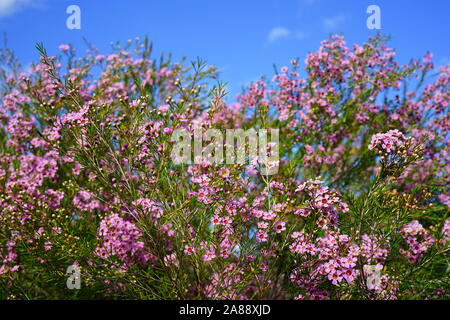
(224, 172)
(303, 212)
(164, 108)
(64, 47)
(261, 236)
(446, 230)
(262, 225)
(121, 238)
(171, 259)
(209, 255)
(387, 142)
(189, 250)
(279, 226)
(323, 201)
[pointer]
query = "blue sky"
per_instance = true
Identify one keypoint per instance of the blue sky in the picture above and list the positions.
(244, 38)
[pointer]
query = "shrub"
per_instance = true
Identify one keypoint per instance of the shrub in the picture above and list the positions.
(87, 178)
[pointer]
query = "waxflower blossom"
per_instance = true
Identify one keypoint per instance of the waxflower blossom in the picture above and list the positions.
(85, 201)
(396, 151)
(189, 250)
(322, 201)
(333, 258)
(387, 142)
(64, 47)
(261, 236)
(446, 230)
(279, 226)
(171, 259)
(87, 177)
(209, 255)
(418, 240)
(121, 239)
(444, 199)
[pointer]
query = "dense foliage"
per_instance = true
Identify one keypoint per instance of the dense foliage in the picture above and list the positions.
(87, 178)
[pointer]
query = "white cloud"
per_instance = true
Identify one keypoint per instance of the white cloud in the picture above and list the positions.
(281, 32)
(331, 24)
(8, 7)
(278, 33)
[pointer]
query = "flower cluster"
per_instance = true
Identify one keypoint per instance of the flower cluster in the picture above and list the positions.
(121, 239)
(322, 202)
(9, 257)
(446, 230)
(397, 152)
(418, 240)
(85, 201)
(333, 257)
(87, 174)
(387, 142)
